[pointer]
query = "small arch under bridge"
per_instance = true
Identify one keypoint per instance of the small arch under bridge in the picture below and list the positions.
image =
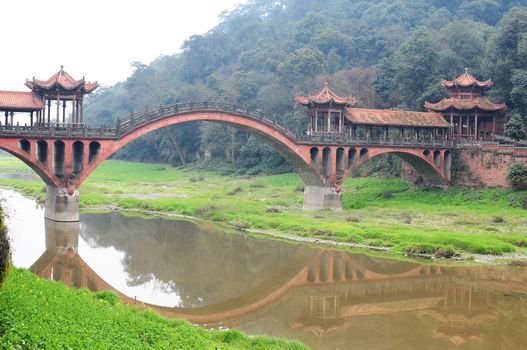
(64, 155)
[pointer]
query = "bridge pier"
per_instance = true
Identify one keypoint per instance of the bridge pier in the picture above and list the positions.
(61, 206)
(321, 197)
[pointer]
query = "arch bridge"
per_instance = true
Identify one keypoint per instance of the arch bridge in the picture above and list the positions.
(64, 155)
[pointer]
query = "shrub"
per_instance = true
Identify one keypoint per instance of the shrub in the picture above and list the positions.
(498, 219)
(239, 225)
(5, 252)
(234, 191)
(387, 194)
(517, 175)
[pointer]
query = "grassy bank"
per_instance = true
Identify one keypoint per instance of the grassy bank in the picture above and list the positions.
(36, 313)
(376, 212)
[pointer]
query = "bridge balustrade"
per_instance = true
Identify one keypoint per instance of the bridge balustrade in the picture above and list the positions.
(136, 120)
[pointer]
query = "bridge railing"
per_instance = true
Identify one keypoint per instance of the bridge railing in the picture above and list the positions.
(339, 139)
(124, 125)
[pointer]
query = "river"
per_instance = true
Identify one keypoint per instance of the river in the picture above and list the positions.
(328, 299)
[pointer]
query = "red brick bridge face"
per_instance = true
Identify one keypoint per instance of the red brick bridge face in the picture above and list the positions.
(64, 156)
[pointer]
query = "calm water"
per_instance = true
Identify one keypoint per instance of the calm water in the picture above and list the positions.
(327, 299)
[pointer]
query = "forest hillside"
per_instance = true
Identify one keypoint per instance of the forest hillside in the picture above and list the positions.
(388, 53)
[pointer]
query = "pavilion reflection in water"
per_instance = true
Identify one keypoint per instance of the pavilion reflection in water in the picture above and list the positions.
(334, 288)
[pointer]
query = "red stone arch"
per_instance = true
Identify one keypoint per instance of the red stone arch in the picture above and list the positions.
(298, 155)
(16, 147)
(429, 163)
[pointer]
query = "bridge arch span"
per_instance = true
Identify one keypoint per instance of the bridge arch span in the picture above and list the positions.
(26, 150)
(432, 164)
(297, 155)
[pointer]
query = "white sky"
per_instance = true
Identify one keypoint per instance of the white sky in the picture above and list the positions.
(97, 39)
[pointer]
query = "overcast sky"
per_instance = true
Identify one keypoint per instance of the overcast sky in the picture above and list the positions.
(97, 39)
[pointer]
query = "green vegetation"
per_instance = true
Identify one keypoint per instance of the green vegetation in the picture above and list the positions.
(36, 313)
(5, 251)
(517, 175)
(379, 212)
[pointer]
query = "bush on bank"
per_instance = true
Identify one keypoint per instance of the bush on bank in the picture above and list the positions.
(36, 313)
(5, 254)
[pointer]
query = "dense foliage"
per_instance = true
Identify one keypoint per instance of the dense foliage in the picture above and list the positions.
(387, 53)
(36, 313)
(4, 249)
(517, 175)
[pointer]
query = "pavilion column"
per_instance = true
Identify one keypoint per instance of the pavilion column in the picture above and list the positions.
(49, 112)
(81, 113)
(476, 136)
(6, 117)
(73, 110)
(31, 119)
(460, 125)
(493, 128)
(12, 113)
(58, 109)
(452, 117)
(64, 111)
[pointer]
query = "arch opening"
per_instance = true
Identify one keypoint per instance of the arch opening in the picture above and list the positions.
(428, 174)
(314, 155)
(58, 158)
(352, 157)
(326, 162)
(78, 157)
(426, 153)
(437, 158)
(95, 151)
(363, 153)
(42, 152)
(24, 145)
(341, 160)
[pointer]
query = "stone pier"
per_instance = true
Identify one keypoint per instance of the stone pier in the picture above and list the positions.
(319, 197)
(62, 205)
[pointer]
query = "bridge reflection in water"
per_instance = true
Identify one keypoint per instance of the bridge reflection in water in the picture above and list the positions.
(331, 299)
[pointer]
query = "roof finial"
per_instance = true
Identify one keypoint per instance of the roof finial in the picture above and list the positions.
(466, 69)
(61, 67)
(326, 84)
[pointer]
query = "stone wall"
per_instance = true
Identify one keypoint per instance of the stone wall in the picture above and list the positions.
(484, 165)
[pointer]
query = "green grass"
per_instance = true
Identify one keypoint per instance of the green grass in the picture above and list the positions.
(37, 313)
(384, 212)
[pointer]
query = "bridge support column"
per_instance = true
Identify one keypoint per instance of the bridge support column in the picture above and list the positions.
(320, 197)
(60, 205)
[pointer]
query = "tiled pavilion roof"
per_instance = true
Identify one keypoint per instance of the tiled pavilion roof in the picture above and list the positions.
(63, 80)
(394, 117)
(326, 96)
(465, 80)
(481, 103)
(20, 101)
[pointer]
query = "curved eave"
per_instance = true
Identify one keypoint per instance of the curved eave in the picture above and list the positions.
(305, 101)
(446, 105)
(453, 83)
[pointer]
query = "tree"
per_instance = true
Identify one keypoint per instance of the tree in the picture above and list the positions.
(5, 252)
(415, 68)
(506, 53)
(515, 127)
(517, 175)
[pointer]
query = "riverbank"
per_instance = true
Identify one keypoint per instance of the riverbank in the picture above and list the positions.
(380, 213)
(36, 313)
